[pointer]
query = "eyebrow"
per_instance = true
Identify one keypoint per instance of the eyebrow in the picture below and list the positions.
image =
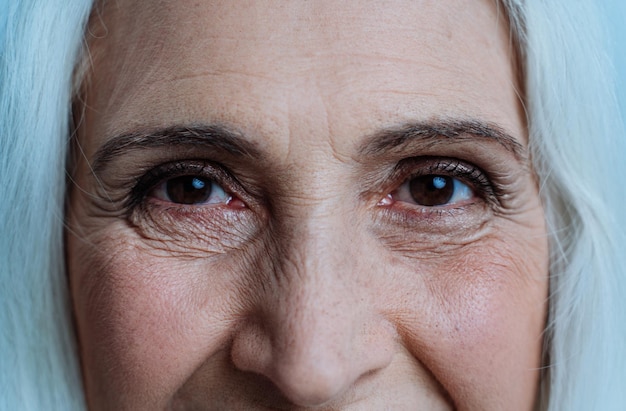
(209, 136)
(428, 133)
(440, 131)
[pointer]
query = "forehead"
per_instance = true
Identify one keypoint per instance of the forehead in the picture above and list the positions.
(279, 70)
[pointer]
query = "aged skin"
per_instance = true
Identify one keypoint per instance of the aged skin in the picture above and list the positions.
(306, 205)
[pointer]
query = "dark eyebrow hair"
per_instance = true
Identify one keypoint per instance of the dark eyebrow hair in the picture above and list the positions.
(209, 136)
(433, 132)
(235, 144)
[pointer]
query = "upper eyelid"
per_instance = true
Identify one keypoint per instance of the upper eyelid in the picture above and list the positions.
(435, 165)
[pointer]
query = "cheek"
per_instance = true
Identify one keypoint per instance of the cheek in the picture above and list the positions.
(140, 311)
(476, 319)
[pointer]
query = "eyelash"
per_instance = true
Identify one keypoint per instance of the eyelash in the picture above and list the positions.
(467, 173)
(162, 173)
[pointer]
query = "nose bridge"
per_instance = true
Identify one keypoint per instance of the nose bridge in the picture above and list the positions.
(310, 221)
(315, 271)
(313, 243)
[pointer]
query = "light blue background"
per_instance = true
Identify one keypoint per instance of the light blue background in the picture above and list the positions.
(616, 17)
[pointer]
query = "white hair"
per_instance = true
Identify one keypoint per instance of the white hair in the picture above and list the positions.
(39, 42)
(578, 147)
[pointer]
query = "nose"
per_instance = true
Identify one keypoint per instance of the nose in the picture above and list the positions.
(316, 334)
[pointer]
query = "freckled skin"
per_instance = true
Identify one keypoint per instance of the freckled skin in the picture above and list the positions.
(309, 291)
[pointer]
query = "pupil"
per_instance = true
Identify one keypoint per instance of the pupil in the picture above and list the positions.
(188, 190)
(432, 190)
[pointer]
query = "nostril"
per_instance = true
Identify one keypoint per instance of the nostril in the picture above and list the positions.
(252, 349)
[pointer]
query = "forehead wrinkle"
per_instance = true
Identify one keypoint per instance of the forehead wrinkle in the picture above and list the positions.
(357, 54)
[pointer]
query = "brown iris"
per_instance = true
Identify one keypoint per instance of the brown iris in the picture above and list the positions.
(188, 190)
(432, 190)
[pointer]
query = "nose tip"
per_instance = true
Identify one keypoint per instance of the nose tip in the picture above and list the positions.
(311, 363)
(310, 379)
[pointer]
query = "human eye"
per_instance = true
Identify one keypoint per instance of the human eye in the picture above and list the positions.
(187, 183)
(192, 190)
(435, 184)
(191, 205)
(433, 190)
